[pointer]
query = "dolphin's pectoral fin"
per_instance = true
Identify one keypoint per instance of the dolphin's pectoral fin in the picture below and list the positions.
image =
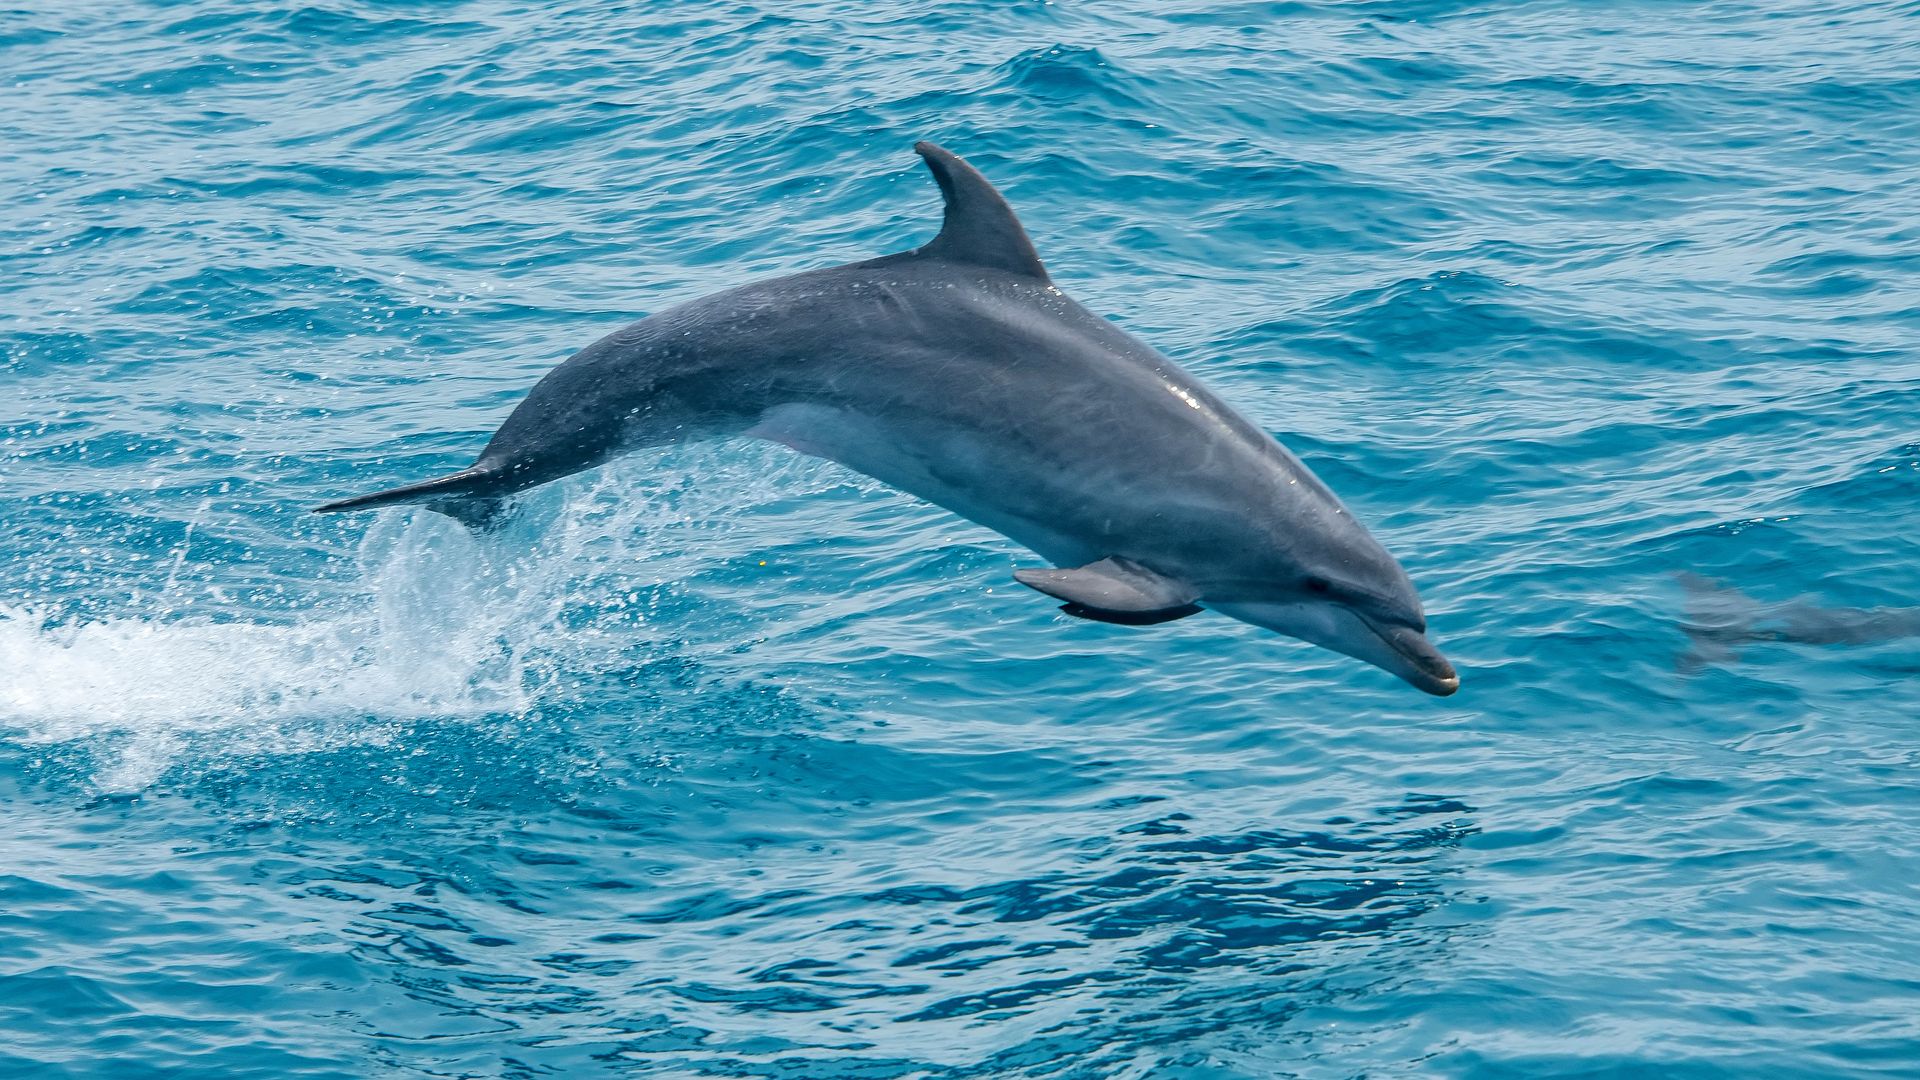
(1131, 618)
(1115, 590)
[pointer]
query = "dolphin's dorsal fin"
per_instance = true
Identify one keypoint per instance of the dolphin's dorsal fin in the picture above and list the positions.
(1115, 590)
(979, 228)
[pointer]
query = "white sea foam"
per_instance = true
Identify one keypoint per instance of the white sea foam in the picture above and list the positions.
(440, 625)
(138, 689)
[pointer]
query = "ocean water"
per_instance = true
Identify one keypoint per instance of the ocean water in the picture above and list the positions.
(721, 761)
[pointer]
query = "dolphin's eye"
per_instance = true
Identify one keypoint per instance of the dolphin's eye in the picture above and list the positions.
(1319, 585)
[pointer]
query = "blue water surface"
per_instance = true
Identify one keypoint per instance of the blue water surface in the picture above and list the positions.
(721, 761)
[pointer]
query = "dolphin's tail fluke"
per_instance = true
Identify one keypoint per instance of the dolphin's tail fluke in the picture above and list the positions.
(468, 496)
(1719, 620)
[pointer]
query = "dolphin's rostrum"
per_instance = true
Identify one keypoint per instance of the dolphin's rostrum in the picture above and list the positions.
(959, 373)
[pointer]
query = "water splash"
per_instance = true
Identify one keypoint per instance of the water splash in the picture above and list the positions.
(438, 623)
(441, 624)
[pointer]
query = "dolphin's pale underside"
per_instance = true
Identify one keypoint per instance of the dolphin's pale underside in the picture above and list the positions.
(959, 373)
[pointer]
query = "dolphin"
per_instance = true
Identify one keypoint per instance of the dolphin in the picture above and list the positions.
(1721, 619)
(958, 372)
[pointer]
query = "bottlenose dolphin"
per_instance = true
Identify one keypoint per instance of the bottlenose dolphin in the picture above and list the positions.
(1721, 619)
(959, 373)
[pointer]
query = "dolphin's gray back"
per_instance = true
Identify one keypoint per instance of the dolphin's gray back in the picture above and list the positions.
(945, 380)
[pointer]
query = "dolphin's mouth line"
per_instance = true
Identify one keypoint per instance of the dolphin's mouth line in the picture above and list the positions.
(1436, 674)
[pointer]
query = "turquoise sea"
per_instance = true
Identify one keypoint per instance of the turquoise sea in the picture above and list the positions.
(725, 762)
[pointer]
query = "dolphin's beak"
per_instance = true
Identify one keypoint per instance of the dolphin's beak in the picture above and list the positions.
(1413, 658)
(1393, 647)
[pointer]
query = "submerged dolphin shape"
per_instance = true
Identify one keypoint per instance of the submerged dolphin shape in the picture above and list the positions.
(1721, 619)
(959, 373)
